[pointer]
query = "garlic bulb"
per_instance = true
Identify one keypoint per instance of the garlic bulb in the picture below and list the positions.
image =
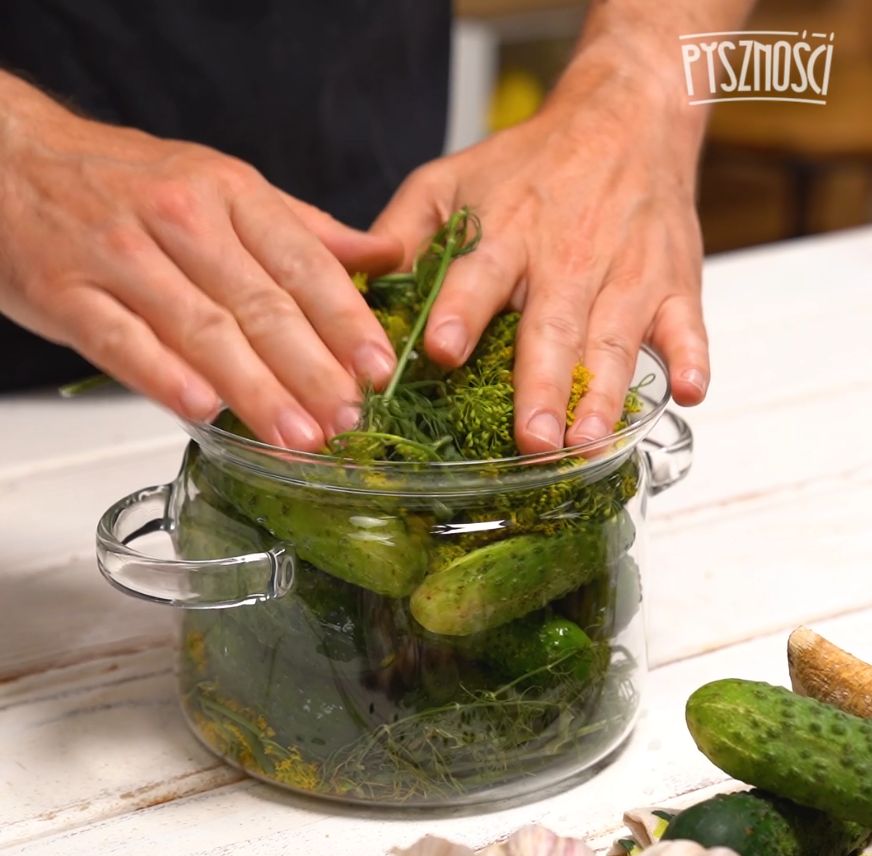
(538, 841)
(429, 845)
(529, 841)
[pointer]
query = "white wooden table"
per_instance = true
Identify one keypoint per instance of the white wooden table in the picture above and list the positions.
(772, 528)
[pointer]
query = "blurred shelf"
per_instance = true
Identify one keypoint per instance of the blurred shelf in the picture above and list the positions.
(500, 8)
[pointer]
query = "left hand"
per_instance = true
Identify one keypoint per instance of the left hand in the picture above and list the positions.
(590, 230)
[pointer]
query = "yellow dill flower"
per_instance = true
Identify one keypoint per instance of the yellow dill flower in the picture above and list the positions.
(361, 282)
(444, 554)
(296, 772)
(397, 325)
(581, 379)
(195, 648)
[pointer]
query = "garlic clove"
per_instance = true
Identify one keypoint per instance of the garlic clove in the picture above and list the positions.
(539, 841)
(430, 845)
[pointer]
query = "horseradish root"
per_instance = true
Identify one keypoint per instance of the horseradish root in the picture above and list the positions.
(824, 671)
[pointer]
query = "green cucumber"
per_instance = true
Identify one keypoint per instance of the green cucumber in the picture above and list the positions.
(796, 747)
(508, 579)
(756, 823)
(372, 549)
(606, 606)
(533, 643)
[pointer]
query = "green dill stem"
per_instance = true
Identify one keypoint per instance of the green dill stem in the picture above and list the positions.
(403, 278)
(396, 439)
(78, 387)
(421, 320)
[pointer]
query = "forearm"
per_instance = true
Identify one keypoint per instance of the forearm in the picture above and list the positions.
(21, 102)
(31, 119)
(637, 41)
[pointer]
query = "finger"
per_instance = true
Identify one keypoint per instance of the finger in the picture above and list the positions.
(418, 208)
(477, 286)
(548, 346)
(615, 329)
(267, 317)
(125, 347)
(678, 333)
(205, 335)
(356, 250)
(295, 259)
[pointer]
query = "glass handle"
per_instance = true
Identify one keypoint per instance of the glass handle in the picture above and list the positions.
(200, 584)
(668, 451)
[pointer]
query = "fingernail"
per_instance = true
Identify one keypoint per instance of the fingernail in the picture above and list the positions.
(546, 427)
(373, 363)
(451, 338)
(695, 378)
(298, 431)
(592, 427)
(346, 419)
(198, 400)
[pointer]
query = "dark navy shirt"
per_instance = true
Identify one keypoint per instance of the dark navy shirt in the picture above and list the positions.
(335, 101)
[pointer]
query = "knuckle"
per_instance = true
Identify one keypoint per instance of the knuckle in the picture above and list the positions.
(559, 329)
(291, 268)
(209, 326)
(616, 346)
(37, 291)
(265, 310)
(495, 264)
(628, 278)
(177, 202)
(55, 293)
(123, 240)
(233, 173)
(108, 343)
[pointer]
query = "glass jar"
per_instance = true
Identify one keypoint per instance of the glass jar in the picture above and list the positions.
(402, 633)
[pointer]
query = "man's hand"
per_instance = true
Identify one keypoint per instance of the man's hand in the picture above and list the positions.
(589, 228)
(184, 274)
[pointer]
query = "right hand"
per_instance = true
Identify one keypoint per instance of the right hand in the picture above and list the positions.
(184, 274)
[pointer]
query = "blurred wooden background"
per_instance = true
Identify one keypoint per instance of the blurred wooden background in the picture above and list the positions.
(770, 170)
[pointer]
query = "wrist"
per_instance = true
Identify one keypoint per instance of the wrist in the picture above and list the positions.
(28, 116)
(636, 85)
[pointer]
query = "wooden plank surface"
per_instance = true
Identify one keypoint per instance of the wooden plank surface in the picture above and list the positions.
(105, 721)
(770, 529)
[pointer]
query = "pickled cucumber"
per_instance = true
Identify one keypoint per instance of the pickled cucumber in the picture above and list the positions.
(511, 578)
(542, 646)
(375, 550)
(605, 607)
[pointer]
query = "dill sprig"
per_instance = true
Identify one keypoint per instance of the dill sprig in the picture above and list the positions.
(460, 747)
(405, 421)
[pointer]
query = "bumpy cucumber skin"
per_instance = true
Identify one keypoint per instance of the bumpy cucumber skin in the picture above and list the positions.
(755, 823)
(534, 642)
(796, 747)
(372, 550)
(508, 579)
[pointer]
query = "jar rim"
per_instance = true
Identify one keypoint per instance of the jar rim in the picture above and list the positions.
(255, 453)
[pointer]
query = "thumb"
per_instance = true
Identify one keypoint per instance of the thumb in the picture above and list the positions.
(356, 250)
(413, 213)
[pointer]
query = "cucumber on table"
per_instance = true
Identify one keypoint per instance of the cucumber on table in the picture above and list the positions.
(796, 747)
(755, 823)
(508, 579)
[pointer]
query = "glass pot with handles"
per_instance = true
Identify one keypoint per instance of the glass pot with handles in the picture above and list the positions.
(400, 633)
